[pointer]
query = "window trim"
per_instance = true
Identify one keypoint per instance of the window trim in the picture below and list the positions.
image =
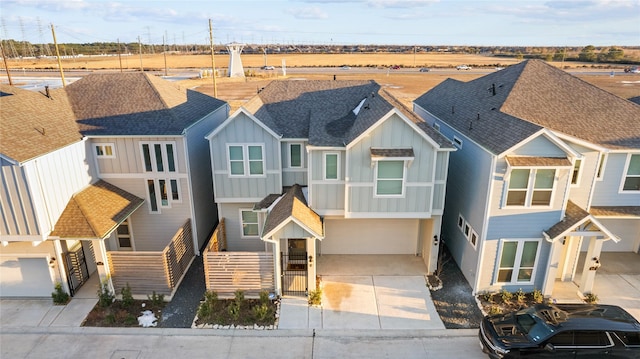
(625, 175)
(517, 261)
(579, 172)
(290, 144)
(529, 191)
(324, 165)
(242, 235)
(246, 162)
(102, 146)
(153, 158)
(158, 194)
(403, 179)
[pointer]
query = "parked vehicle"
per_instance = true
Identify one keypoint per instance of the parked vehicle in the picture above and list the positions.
(395, 67)
(463, 67)
(424, 69)
(561, 331)
(268, 68)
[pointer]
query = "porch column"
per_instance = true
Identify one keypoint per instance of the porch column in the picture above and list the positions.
(591, 264)
(312, 260)
(102, 262)
(552, 268)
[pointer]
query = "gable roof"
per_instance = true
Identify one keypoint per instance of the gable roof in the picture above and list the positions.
(505, 107)
(328, 113)
(34, 124)
(293, 207)
(138, 104)
(575, 216)
(95, 211)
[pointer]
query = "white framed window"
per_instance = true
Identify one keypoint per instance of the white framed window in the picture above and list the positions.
(105, 150)
(162, 192)
(331, 165)
(473, 238)
(123, 234)
(246, 160)
(577, 171)
(517, 261)
(457, 142)
(601, 165)
(631, 179)
(530, 187)
(460, 222)
(389, 178)
(467, 230)
(158, 156)
(296, 157)
(249, 223)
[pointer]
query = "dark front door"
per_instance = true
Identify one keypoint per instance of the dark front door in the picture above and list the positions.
(77, 270)
(294, 268)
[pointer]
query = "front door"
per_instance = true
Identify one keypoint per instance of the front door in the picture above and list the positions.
(294, 267)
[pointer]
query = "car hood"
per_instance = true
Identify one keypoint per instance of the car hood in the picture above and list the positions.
(507, 331)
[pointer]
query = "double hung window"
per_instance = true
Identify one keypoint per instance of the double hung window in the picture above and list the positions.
(390, 178)
(530, 187)
(246, 160)
(517, 261)
(249, 223)
(632, 177)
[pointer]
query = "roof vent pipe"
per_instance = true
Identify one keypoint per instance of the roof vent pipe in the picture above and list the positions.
(453, 110)
(478, 116)
(493, 89)
(470, 125)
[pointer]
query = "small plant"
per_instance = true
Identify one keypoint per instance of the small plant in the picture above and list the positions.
(264, 297)
(315, 296)
(590, 298)
(105, 296)
(110, 318)
(210, 301)
(487, 296)
(537, 296)
(60, 297)
(127, 297)
(520, 296)
(236, 305)
(506, 296)
(156, 299)
(494, 309)
(261, 312)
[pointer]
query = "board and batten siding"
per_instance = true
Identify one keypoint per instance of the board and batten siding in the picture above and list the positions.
(233, 227)
(127, 157)
(539, 146)
(291, 176)
(153, 231)
(419, 175)
(579, 193)
(627, 229)
(326, 195)
(607, 191)
(42, 188)
(243, 130)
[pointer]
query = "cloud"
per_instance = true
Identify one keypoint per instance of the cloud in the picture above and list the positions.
(308, 13)
(400, 3)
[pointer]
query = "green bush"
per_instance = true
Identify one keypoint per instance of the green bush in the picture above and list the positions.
(537, 296)
(264, 297)
(261, 312)
(590, 298)
(315, 296)
(209, 304)
(487, 296)
(494, 309)
(506, 296)
(520, 296)
(156, 299)
(60, 297)
(105, 296)
(127, 297)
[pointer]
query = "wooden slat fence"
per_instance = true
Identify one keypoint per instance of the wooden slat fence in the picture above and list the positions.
(159, 271)
(226, 272)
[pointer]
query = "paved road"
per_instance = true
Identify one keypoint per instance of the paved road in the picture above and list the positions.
(139, 343)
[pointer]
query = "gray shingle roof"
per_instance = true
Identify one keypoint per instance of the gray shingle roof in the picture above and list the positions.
(530, 96)
(136, 104)
(293, 205)
(323, 110)
(573, 215)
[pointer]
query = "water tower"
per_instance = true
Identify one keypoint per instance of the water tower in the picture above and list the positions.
(235, 63)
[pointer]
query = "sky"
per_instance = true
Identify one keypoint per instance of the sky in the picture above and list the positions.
(332, 22)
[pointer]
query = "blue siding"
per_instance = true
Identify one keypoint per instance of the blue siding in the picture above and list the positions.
(607, 191)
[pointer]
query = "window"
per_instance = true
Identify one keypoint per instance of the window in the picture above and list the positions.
(601, 164)
(246, 160)
(460, 221)
(467, 230)
(124, 236)
(105, 150)
(249, 223)
(331, 165)
(530, 187)
(295, 155)
(166, 190)
(473, 238)
(159, 157)
(390, 178)
(632, 179)
(575, 175)
(517, 261)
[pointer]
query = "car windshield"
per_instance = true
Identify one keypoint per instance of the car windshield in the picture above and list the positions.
(531, 325)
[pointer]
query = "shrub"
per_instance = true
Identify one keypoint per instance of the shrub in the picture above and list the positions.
(506, 296)
(127, 297)
(590, 298)
(487, 296)
(494, 309)
(264, 297)
(537, 296)
(315, 296)
(105, 296)
(520, 296)
(60, 297)
(236, 305)
(209, 304)
(261, 312)
(156, 299)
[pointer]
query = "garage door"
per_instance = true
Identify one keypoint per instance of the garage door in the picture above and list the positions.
(25, 277)
(369, 236)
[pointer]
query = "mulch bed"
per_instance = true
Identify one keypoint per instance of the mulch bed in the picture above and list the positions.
(119, 315)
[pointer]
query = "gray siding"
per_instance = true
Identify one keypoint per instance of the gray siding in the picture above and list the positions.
(586, 178)
(419, 176)
(326, 194)
(128, 154)
(243, 130)
(19, 215)
(540, 146)
(291, 176)
(607, 191)
(231, 214)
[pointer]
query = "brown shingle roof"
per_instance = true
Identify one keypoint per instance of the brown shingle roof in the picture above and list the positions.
(95, 211)
(392, 152)
(530, 96)
(529, 161)
(615, 211)
(293, 205)
(32, 124)
(573, 215)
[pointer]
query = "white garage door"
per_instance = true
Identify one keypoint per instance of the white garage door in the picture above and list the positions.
(25, 277)
(370, 236)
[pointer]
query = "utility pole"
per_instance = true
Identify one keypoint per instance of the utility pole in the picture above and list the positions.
(6, 67)
(213, 62)
(119, 57)
(164, 51)
(140, 48)
(55, 43)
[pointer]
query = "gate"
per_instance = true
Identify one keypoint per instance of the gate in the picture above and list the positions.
(77, 270)
(294, 274)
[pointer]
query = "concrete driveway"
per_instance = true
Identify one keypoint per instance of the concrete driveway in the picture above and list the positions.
(366, 292)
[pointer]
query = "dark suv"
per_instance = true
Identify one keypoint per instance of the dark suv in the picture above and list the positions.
(562, 331)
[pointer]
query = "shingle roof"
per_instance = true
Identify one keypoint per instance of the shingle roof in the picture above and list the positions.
(615, 211)
(136, 104)
(530, 96)
(573, 215)
(323, 110)
(530, 161)
(95, 211)
(33, 124)
(293, 205)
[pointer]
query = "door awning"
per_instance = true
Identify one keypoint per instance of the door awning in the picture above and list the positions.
(95, 212)
(292, 207)
(578, 222)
